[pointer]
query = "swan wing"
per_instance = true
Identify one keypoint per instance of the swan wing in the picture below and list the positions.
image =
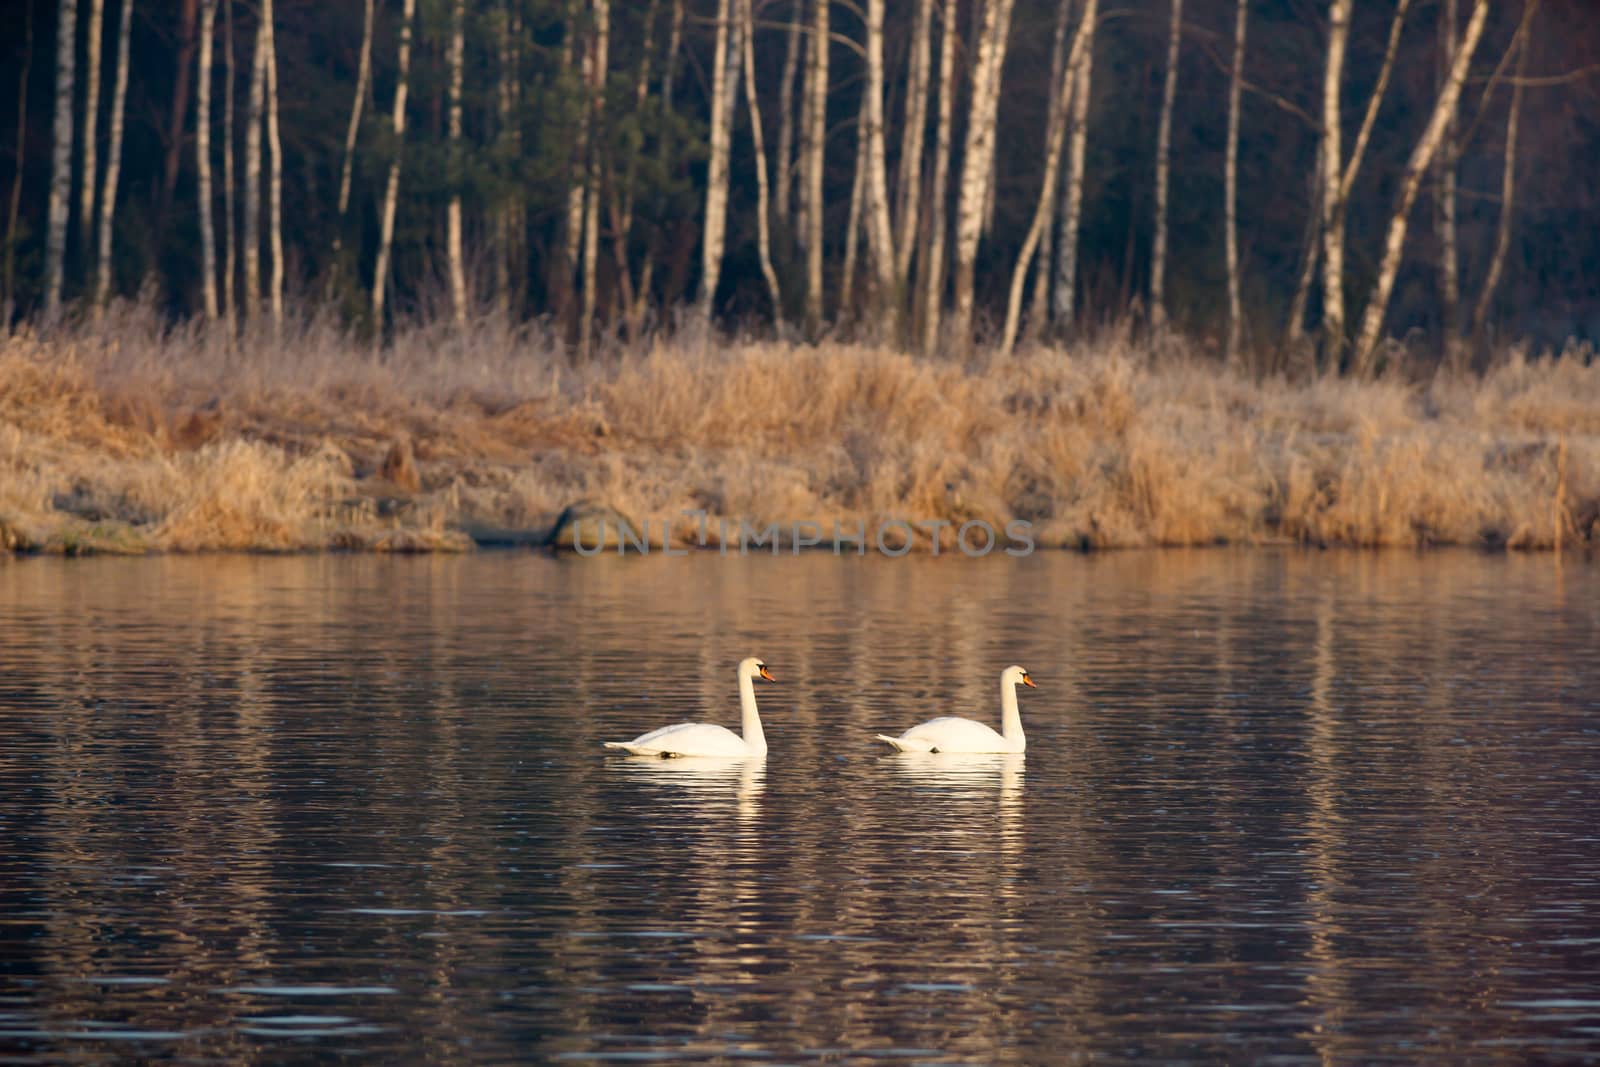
(686, 739)
(953, 734)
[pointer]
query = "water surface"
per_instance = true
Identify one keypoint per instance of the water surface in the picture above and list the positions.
(1277, 806)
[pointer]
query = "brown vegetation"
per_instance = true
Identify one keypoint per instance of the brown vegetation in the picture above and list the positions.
(125, 435)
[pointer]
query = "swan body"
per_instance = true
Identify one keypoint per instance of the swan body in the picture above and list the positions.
(950, 733)
(709, 739)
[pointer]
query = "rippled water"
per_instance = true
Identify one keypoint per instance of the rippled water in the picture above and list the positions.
(1276, 806)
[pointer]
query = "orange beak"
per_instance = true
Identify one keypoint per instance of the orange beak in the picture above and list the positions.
(767, 675)
(1028, 682)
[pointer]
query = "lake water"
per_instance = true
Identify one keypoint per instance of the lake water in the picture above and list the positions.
(1277, 806)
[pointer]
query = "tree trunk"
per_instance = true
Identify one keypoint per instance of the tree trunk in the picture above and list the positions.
(275, 175)
(784, 164)
(108, 196)
(816, 126)
(1231, 185)
(599, 61)
(763, 227)
(1332, 203)
(1039, 301)
(252, 175)
(938, 206)
(61, 158)
(880, 232)
(230, 256)
(576, 46)
(909, 177)
(363, 78)
(1445, 205)
(8, 295)
(852, 226)
(1374, 103)
(180, 107)
(1066, 287)
(90, 175)
(978, 160)
(724, 75)
(1508, 189)
(391, 192)
(1169, 94)
(458, 270)
(1052, 172)
(202, 160)
(1416, 168)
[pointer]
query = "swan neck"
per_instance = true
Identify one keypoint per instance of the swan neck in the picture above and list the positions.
(1010, 717)
(750, 720)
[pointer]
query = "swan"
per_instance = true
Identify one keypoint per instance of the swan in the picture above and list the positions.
(952, 734)
(709, 739)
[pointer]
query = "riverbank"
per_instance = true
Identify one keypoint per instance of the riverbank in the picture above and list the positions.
(130, 436)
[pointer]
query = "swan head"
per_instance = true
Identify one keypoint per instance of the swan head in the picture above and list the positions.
(1015, 675)
(755, 668)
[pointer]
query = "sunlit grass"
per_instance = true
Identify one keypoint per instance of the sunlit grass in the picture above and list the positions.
(126, 434)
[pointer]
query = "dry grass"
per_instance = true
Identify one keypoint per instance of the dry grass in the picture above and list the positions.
(125, 435)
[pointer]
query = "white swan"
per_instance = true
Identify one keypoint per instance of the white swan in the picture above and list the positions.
(709, 739)
(952, 734)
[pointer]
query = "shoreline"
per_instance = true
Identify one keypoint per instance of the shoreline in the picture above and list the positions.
(127, 436)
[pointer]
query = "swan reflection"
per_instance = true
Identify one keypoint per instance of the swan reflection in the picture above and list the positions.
(702, 779)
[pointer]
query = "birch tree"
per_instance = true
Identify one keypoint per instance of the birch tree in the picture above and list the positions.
(1508, 189)
(177, 117)
(1169, 93)
(978, 158)
(763, 225)
(353, 127)
(1231, 183)
(108, 196)
(1332, 203)
(275, 175)
(202, 160)
(1039, 304)
(724, 69)
(391, 192)
(938, 207)
(1066, 287)
(599, 60)
(252, 175)
(458, 274)
(61, 157)
(880, 234)
(816, 133)
(1416, 167)
(908, 184)
(1052, 172)
(784, 163)
(1445, 202)
(91, 127)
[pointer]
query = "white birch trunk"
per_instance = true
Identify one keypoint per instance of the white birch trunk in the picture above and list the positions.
(938, 207)
(1231, 185)
(1416, 168)
(978, 161)
(1066, 287)
(717, 165)
(784, 163)
(108, 196)
(61, 158)
(391, 192)
(1052, 172)
(763, 227)
(1169, 94)
(1374, 103)
(1508, 190)
(1039, 302)
(880, 232)
(230, 255)
(908, 192)
(353, 127)
(1445, 200)
(576, 47)
(458, 270)
(91, 126)
(1332, 203)
(275, 175)
(202, 160)
(1311, 255)
(816, 125)
(852, 226)
(599, 61)
(252, 176)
